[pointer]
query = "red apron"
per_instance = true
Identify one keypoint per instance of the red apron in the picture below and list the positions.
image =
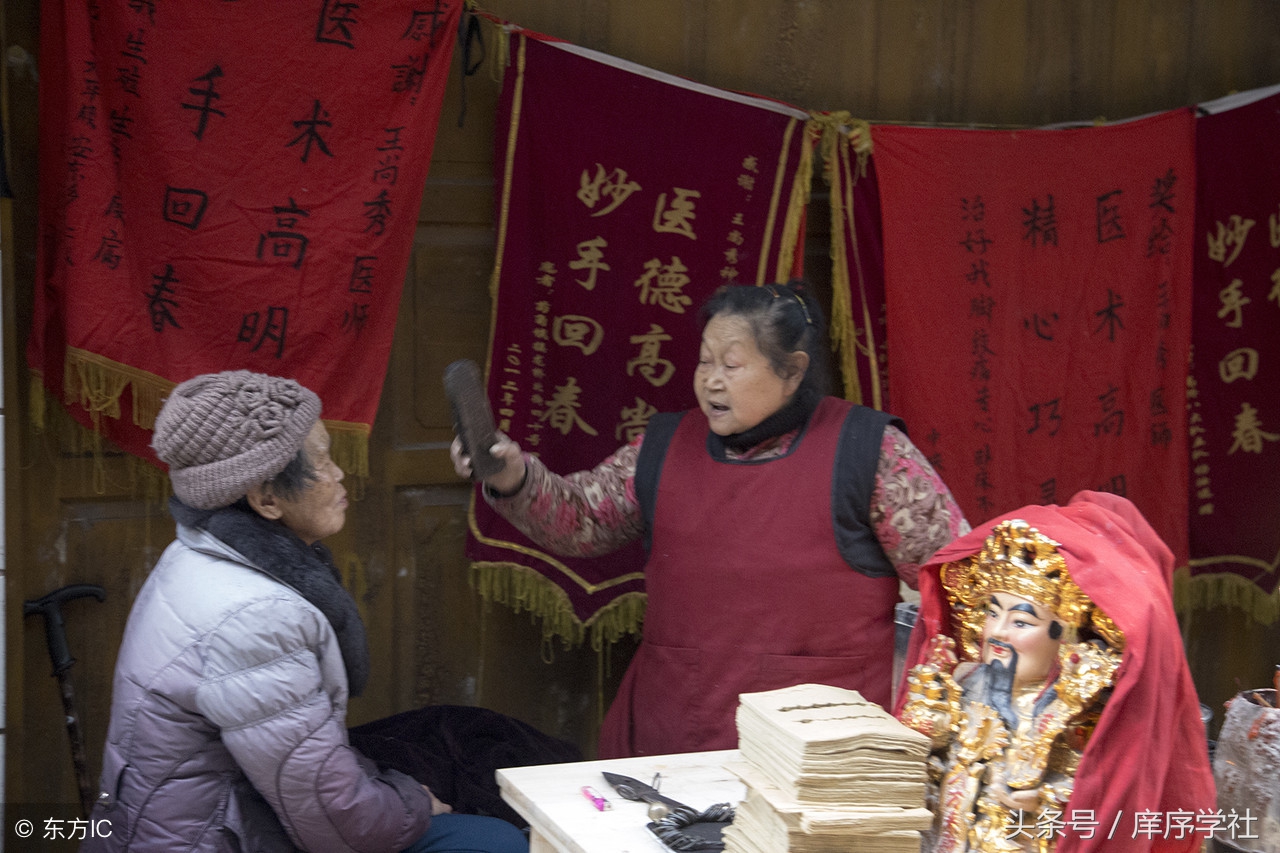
(748, 591)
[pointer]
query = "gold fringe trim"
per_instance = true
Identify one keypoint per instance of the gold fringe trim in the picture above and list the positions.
(96, 384)
(153, 486)
(1224, 589)
(508, 170)
(148, 481)
(624, 616)
(66, 436)
(56, 423)
(349, 449)
(497, 54)
(797, 204)
(355, 579)
(841, 133)
(859, 142)
(36, 410)
(349, 446)
(524, 590)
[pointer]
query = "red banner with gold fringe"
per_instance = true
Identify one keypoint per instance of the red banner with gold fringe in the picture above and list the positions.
(626, 196)
(1235, 387)
(229, 185)
(1039, 309)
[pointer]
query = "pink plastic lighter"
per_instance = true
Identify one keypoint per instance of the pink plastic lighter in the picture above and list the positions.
(596, 799)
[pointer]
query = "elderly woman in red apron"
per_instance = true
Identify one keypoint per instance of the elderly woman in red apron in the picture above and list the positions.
(779, 522)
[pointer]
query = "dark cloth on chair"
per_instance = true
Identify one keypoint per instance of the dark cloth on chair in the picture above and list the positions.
(455, 750)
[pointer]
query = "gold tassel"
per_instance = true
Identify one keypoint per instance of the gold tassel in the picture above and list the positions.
(61, 429)
(97, 389)
(96, 383)
(349, 449)
(796, 206)
(859, 141)
(844, 329)
(508, 169)
(624, 616)
(36, 401)
(838, 129)
(354, 578)
(149, 393)
(153, 485)
(148, 482)
(524, 590)
(1224, 589)
(497, 53)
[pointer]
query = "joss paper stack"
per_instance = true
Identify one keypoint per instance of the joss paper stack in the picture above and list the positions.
(826, 771)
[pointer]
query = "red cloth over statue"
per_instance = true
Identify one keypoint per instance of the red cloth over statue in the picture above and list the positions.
(1144, 776)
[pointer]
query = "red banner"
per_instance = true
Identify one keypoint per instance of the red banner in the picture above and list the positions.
(1235, 387)
(1039, 305)
(626, 197)
(229, 185)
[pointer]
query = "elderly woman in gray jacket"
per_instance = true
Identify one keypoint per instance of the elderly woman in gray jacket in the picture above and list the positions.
(228, 715)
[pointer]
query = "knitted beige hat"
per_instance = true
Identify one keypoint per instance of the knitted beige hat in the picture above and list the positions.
(223, 433)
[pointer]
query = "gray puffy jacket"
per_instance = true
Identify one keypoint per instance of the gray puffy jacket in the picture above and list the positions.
(230, 690)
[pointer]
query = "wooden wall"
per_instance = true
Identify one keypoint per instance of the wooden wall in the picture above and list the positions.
(976, 62)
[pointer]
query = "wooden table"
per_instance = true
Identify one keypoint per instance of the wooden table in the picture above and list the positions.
(562, 820)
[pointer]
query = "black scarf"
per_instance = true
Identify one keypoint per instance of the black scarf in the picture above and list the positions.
(308, 569)
(791, 416)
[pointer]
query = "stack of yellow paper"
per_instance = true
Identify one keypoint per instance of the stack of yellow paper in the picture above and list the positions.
(826, 771)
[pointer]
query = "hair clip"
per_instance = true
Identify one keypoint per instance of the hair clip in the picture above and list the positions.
(808, 321)
(775, 288)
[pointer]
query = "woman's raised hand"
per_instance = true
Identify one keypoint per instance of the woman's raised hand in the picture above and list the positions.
(509, 479)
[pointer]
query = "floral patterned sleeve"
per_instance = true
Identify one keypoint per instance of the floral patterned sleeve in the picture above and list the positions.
(912, 510)
(580, 515)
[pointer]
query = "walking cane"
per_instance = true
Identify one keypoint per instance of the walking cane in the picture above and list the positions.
(50, 607)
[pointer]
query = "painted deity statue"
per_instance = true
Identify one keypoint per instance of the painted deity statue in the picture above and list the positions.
(1011, 706)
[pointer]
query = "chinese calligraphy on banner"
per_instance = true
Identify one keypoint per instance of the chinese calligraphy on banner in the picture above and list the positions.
(1039, 303)
(625, 198)
(225, 186)
(1235, 381)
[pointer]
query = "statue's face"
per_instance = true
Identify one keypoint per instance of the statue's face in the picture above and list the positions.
(1021, 634)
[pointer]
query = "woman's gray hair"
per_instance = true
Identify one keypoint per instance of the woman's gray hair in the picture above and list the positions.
(296, 477)
(784, 318)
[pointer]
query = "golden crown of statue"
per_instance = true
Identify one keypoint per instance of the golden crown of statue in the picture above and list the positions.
(1020, 560)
